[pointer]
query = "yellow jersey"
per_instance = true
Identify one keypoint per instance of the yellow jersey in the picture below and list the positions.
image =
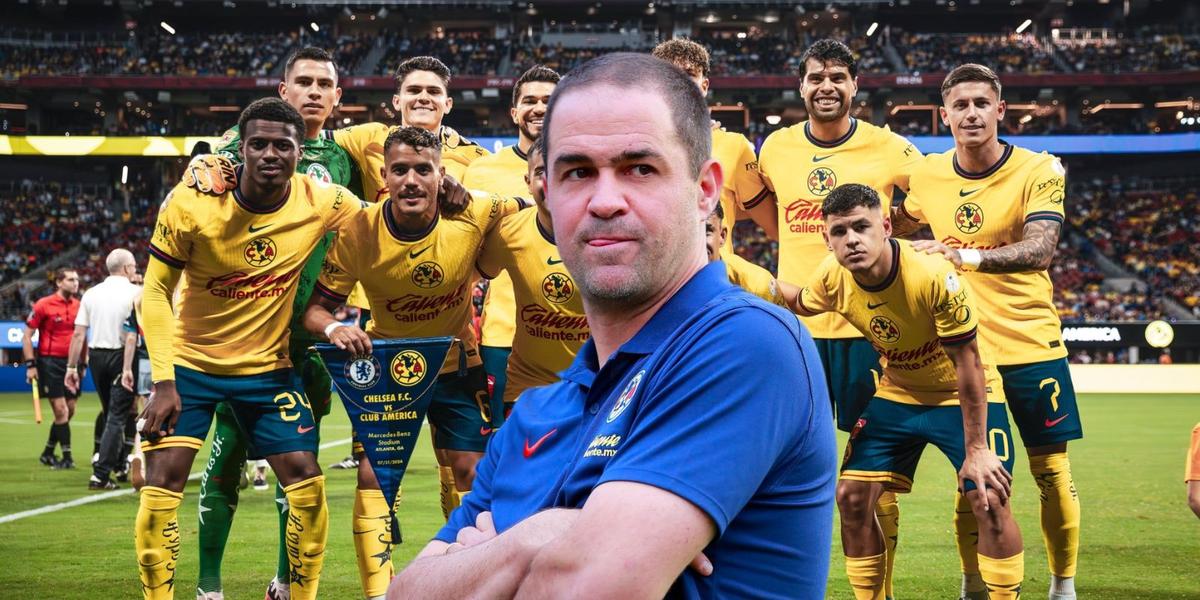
(241, 268)
(802, 170)
(922, 305)
(752, 278)
(743, 186)
(500, 173)
(416, 285)
(989, 210)
(365, 145)
(551, 326)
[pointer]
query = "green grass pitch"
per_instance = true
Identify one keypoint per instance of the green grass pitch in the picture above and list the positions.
(1139, 539)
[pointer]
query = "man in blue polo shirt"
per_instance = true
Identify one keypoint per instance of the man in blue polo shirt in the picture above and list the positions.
(691, 429)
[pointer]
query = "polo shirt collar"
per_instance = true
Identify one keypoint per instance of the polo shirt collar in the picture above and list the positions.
(705, 285)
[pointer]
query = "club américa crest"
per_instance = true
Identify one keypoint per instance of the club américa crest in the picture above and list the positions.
(363, 373)
(558, 288)
(626, 397)
(885, 330)
(968, 218)
(821, 181)
(260, 252)
(428, 274)
(409, 368)
(318, 172)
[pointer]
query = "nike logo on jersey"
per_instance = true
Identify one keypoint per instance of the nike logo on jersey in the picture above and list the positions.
(254, 229)
(551, 261)
(300, 429)
(485, 430)
(964, 193)
(875, 306)
(529, 450)
(821, 158)
(1052, 423)
(416, 253)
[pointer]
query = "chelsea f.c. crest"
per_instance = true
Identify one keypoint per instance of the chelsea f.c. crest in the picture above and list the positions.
(363, 373)
(626, 397)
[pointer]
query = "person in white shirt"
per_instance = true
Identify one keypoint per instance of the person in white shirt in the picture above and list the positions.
(103, 311)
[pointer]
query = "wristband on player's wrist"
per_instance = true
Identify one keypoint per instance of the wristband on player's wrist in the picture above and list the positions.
(331, 327)
(970, 259)
(31, 362)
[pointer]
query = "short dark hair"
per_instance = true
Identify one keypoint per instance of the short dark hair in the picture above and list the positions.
(970, 72)
(629, 70)
(415, 137)
(538, 147)
(423, 63)
(682, 51)
(847, 197)
(535, 73)
(309, 53)
(719, 211)
(61, 274)
(827, 51)
(275, 110)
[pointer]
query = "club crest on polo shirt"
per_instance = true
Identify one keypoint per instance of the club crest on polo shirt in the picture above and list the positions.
(626, 397)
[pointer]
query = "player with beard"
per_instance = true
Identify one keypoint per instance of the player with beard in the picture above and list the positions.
(507, 173)
(416, 266)
(996, 211)
(238, 242)
(802, 164)
(310, 85)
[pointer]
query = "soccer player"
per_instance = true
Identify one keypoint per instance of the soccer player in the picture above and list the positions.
(996, 212)
(743, 188)
(507, 173)
(416, 267)
(801, 164)
(551, 326)
(53, 318)
(938, 387)
(742, 273)
(1191, 474)
(239, 242)
(310, 85)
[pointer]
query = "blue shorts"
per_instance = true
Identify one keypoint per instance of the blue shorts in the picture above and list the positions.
(886, 443)
(271, 409)
(851, 372)
(1041, 398)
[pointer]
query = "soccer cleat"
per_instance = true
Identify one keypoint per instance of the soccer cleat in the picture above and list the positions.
(95, 483)
(122, 476)
(277, 591)
(48, 459)
(244, 481)
(63, 464)
(260, 482)
(203, 595)
(346, 463)
(95, 459)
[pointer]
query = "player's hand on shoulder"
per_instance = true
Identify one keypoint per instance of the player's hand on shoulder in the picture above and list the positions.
(983, 468)
(351, 339)
(159, 416)
(210, 174)
(935, 247)
(453, 198)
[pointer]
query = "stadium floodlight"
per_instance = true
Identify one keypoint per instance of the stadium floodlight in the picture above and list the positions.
(124, 174)
(314, 27)
(872, 28)
(774, 119)
(167, 26)
(1025, 25)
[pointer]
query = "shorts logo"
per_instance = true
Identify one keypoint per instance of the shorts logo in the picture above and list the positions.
(885, 330)
(318, 172)
(363, 373)
(558, 288)
(260, 252)
(821, 181)
(968, 218)
(428, 274)
(408, 367)
(626, 397)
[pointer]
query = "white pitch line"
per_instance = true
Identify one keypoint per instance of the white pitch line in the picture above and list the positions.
(106, 495)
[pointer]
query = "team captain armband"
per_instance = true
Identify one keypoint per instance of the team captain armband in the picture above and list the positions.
(211, 174)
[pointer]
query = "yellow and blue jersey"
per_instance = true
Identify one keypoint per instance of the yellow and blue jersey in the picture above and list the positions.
(743, 186)
(752, 278)
(365, 145)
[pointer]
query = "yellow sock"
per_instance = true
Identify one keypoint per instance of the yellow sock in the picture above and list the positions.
(307, 530)
(156, 539)
(448, 492)
(866, 576)
(1003, 576)
(1060, 511)
(966, 534)
(887, 511)
(372, 541)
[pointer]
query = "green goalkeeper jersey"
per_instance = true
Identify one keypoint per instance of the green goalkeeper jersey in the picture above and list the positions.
(324, 160)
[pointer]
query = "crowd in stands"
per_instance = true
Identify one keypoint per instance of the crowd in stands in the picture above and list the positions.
(465, 53)
(1139, 52)
(937, 52)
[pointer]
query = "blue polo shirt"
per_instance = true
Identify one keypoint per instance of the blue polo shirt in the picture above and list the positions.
(719, 399)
